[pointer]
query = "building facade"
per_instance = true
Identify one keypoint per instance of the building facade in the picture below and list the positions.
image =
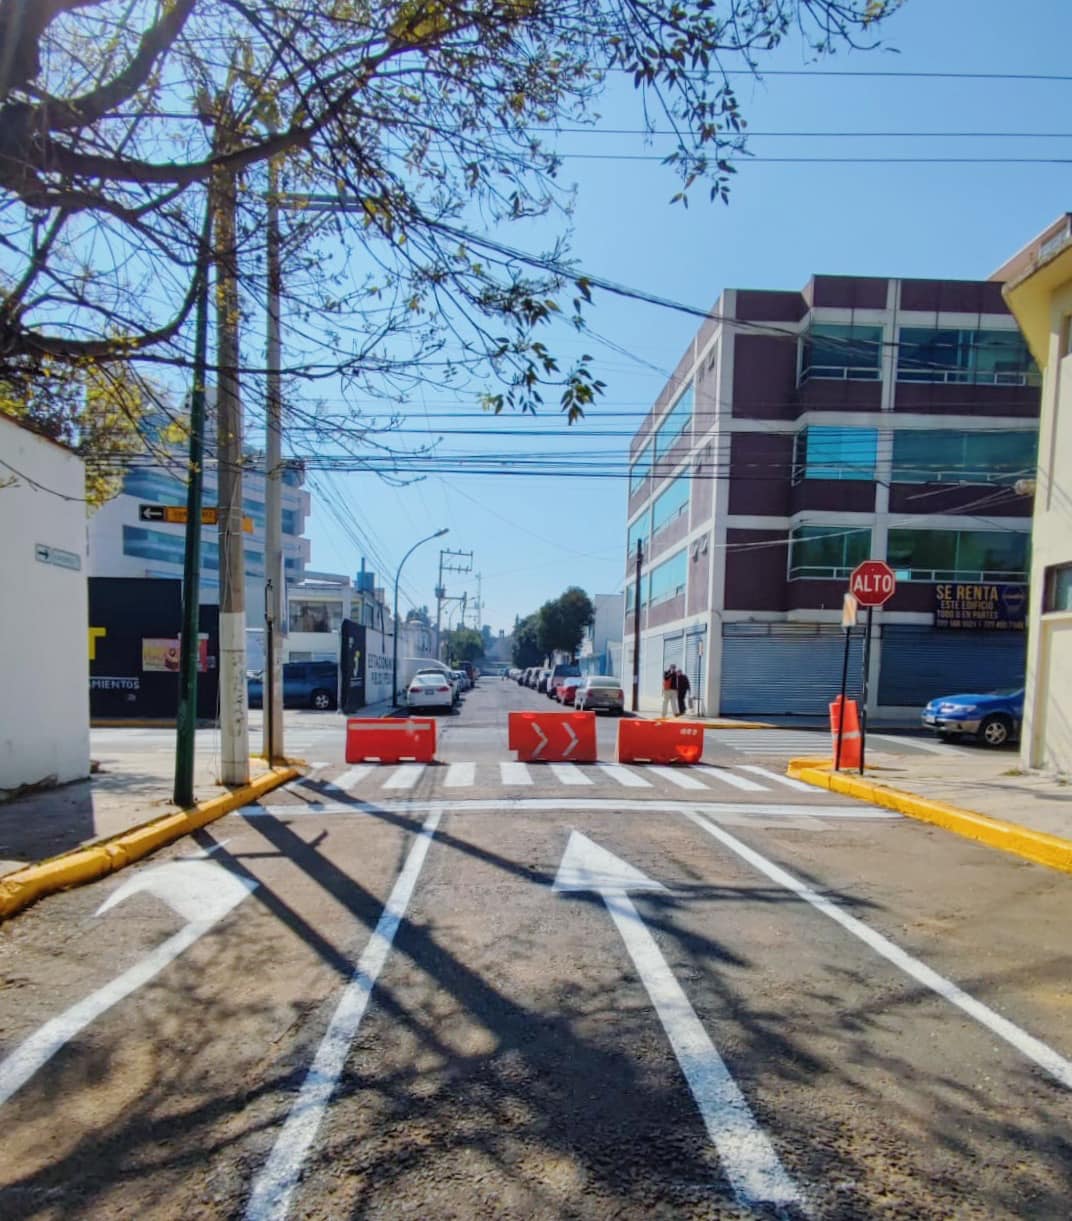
(1039, 291)
(803, 432)
(601, 648)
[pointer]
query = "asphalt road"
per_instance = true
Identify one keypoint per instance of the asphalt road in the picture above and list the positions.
(473, 990)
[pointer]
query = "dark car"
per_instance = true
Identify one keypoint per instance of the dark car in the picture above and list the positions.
(992, 717)
(306, 684)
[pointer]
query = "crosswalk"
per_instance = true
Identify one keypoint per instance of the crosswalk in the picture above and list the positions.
(781, 743)
(509, 774)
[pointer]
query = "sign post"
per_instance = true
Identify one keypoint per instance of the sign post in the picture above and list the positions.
(848, 620)
(872, 584)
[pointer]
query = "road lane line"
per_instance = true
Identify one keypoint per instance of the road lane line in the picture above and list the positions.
(405, 777)
(625, 777)
(682, 779)
(515, 773)
(789, 783)
(274, 1185)
(1026, 1044)
(347, 780)
(724, 775)
(460, 776)
(569, 773)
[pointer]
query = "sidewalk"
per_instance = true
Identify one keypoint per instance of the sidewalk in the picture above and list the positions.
(1027, 813)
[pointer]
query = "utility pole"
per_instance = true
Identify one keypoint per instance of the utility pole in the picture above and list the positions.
(274, 572)
(636, 625)
(234, 717)
(441, 589)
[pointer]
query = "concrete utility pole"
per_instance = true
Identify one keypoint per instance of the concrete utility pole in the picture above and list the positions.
(274, 571)
(441, 589)
(234, 715)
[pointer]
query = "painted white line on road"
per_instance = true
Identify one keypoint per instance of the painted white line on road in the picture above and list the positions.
(765, 772)
(624, 776)
(515, 773)
(200, 890)
(347, 780)
(460, 776)
(930, 748)
(274, 1186)
(1034, 1049)
(748, 1158)
(724, 775)
(568, 773)
(405, 777)
(682, 779)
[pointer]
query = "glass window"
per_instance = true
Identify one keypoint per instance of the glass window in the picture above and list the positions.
(306, 616)
(849, 352)
(291, 521)
(155, 545)
(670, 503)
(927, 456)
(668, 578)
(827, 551)
(995, 358)
(674, 423)
(1058, 589)
(835, 453)
(155, 485)
(958, 555)
(637, 531)
(639, 472)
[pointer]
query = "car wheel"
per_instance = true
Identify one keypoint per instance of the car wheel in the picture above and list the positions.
(321, 700)
(995, 730)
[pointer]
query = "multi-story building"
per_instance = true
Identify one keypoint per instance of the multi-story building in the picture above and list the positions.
(803, 432)
(601, 647)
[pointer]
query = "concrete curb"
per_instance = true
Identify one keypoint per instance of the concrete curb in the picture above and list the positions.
(81, 865)
(1036, 846)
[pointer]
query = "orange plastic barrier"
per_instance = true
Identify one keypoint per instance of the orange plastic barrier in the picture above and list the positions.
(659, 742)
(552, 737)
(850, 738)
(390, 741)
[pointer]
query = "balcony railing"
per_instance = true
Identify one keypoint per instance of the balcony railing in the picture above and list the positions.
(839, 373)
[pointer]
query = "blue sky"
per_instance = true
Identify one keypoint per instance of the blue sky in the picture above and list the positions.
(533, 536)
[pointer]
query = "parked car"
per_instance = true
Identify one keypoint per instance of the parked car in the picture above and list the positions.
(559, 674)
(566, 691)
(431, 689)
(471, 670)
(993, 717)
(600, 691)
(306, 684)
(530, 676)
(542, 676)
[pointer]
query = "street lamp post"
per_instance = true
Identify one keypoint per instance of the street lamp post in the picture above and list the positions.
(398, 575)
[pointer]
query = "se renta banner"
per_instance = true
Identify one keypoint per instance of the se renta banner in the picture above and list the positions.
(962, 606)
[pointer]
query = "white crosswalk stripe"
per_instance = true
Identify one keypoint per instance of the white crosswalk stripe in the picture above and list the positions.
(460, 775)
(724, 776)
(779, 742)
(799, 785)
(569, 773)
(405, 777)
(348, 779)
(623, 776)
(515, 773)
(677, 776)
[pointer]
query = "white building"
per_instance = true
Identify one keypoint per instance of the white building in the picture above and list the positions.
(601, 648)
(44, 650)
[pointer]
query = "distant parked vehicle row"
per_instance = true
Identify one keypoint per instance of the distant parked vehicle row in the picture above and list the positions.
(565, 683)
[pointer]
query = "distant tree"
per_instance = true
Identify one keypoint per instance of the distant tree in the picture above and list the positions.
(526, 649)
(465, 644)
(562, 621)
(419, 614)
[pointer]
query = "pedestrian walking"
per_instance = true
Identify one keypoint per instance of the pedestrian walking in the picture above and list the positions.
(681, 686)
(669, 689)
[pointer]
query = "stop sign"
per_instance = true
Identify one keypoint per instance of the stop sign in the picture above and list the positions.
(872, 583)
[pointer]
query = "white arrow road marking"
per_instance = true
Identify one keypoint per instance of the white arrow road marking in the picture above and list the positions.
(541, 735)
(573, 742)
(274, 1185)
(1034, 1049)
(199, 890)
(748, 1158)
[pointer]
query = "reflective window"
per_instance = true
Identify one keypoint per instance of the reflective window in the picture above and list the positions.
(1058, 589)
(926, 456)
(639, 472)
(291, 521)
(156, 545)
(637, 531)
(996, 358)
(156, 486)
(674, 423)
(668, 578)
(670, 503)
(958, 555)
(306, 616)
(827, 551)
(849, 352)
(835, 453)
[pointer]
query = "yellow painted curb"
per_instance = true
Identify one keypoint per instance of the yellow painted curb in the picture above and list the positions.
(1009, 837)
(24, 886)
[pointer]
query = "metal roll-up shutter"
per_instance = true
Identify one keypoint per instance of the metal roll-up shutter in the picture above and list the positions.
(694, 655)
(919, 663)
(777, 669)
(673, 650)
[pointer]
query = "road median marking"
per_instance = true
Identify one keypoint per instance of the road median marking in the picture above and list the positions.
(1036, 846)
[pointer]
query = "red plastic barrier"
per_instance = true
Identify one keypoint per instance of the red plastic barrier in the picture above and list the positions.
(659, 742)
(390, 741)
(552, 737)
(850, 738)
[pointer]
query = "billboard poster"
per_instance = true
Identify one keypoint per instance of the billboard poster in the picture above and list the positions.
(162, 655)
(985, 606)
(352, 659)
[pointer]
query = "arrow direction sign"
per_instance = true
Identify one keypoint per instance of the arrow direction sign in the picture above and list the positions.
(543, 740)
(573, 740)
(200, 891)
(748, 1158)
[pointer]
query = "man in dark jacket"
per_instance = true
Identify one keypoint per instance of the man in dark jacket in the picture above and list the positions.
(681, 686)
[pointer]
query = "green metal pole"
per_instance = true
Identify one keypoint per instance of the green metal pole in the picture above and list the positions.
(186, 719)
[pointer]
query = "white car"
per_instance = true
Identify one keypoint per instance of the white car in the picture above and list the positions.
(431, 689)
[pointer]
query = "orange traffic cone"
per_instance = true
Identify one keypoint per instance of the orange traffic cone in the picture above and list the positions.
(850, 734)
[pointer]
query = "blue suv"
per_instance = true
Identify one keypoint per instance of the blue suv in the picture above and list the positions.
(306, 684)
(993, 718)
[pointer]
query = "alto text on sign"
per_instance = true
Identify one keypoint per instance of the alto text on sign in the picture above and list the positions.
(872, 583)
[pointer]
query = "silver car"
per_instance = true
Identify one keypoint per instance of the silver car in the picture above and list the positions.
(600, 691)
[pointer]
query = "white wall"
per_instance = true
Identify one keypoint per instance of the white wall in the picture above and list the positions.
(44, 654)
